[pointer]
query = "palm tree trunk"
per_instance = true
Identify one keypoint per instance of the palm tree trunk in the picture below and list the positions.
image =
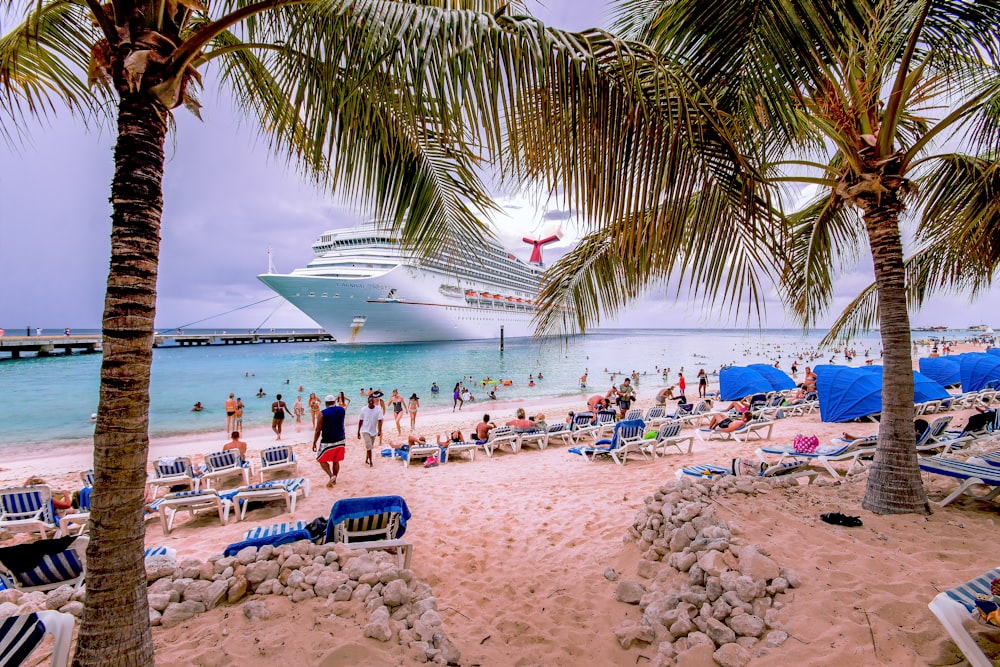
(894, 484)
(115, 628)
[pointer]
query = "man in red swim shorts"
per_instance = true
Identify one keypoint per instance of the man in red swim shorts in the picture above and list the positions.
(330, 434)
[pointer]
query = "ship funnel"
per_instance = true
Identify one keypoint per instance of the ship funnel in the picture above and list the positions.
(536, 251)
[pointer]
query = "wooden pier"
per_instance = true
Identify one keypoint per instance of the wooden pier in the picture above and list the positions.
(44, 346)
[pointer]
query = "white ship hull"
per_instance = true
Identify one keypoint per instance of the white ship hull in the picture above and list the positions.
(399, 301)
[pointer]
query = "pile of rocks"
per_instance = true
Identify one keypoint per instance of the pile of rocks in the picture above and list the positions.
(711, 596)
(398, 605)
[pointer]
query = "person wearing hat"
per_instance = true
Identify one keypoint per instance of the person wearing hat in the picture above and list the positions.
(412, 407)
(370, 425)
(332, 438)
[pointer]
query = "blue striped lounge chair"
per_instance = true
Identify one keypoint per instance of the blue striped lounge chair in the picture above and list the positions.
(20, 635)
(160, 551)
(584, 426)
(459, 448)
(276, 489)
(990, 459)
(376, 522)
(539, 437)
(273, 530)
(655, 415)
(754, 427)
(560, 432)
(971, 474)
(44, 564)
(278, 457)
(852, 451)
(956, 605)
(173, 471)
(501, 435)
(192, 502)
(668, 435)
(626, 439)
(709, 471)
(411, 454)
(27, 508)
(227, 463)
(606, 420)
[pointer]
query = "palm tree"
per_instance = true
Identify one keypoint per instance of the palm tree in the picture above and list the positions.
(850, 97)
(392, 103)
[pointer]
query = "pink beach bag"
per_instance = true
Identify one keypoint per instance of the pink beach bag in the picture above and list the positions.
(805, 444)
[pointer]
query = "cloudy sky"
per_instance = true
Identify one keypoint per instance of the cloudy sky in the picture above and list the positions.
(226, 201)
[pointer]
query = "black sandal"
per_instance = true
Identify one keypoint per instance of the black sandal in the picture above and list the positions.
(838, 519)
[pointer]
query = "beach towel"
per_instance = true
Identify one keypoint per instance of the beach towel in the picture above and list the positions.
(26, 557)
(359, 508)
(273, 540)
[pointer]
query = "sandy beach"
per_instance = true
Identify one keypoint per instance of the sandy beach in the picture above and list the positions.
(516, 548)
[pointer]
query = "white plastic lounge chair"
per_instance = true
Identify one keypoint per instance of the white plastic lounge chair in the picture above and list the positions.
(274, 530)
(501, 435)
(278, 457)
(227, 463)
(584, 427)
(956, 605)
(20, 635)
(191, 502)
(972, 475)
(627, 438)
(709, 471)
(536, 438)
(989, 459)
(655, 415)
(695, 415)
(633, 413)
(27, 508)
(67, 567)
(754, 427)
(459, 448)
(87, 477)
(160, 551)
(414, 453)
(173, 471)
(823, 456)
(276, 489)
(560, 433)
(77, 524)
(669, 435)
(606, 420)
(377, 522)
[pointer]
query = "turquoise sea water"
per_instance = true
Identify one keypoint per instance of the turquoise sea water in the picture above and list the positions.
(50, 399)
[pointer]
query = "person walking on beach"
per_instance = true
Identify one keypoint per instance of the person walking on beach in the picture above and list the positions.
(230, 413)
(330, 434)
(412, 408)
(278, 410)
(238, 416)
(626, 394)
(314, 407)
(702, 383)
(370, 427)
(298, 410)
(681, 384)
(456, 396)
(397, 407)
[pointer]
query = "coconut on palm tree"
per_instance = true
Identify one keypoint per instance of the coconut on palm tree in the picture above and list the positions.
(857, 99)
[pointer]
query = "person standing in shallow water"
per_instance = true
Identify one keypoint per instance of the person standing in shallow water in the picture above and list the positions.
(278, 411)
(330, 434)
(412, 408)
(702, 383)
(231, 413)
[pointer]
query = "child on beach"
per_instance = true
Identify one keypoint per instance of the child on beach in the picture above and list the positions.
(298, 410)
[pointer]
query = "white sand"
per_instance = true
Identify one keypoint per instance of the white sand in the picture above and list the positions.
(515, 548)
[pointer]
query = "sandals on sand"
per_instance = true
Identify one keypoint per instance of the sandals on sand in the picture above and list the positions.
(838, 519)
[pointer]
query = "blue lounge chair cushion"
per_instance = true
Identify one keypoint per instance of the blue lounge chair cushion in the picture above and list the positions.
(273, 540)
(967, 592)
(19, 636)
(360, 508)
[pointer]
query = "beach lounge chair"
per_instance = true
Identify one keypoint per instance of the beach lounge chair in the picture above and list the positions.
(971, 474)
(275, 489)
(785, 469)
(626, 439)
(173, 471)
(27, 508)
(192, 502)
(560, 432)
(227, 463)
(754, 427)
(606, 420)
(20, 635)
(44, 564)
(633, 413)
(655, 415)
(459, 448)
(669, 435)
(956, 605)
(276, 458)
(501, 435)
(413, 453)
(538, 438)
(698, 412)
(376, 522)
(274, 530)
(584, 426)
(169, 552)
(823, 456)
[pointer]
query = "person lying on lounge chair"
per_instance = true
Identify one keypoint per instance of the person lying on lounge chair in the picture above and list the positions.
(729, 424)
(446, 440)
(739, 406)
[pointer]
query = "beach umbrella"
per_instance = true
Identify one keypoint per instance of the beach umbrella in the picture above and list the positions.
(736, 382)
(979, 371)
(779, 379)
(848, 393)
(945, 371)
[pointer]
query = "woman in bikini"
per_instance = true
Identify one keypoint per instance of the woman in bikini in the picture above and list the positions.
(343, 401)
(396, 403)
(412, 408)
(278, 409)
(314, 407)
(230, 413)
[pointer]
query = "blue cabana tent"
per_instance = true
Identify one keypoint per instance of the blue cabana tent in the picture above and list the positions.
(924, 388)
(848, 393)
(778, 378)
(736, 382)
(946, 371)
(994, 351)
(979, 371)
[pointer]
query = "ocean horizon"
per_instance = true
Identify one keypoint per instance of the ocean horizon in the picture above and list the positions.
(59, 393)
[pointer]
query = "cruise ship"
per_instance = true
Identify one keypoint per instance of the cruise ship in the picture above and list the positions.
(364, 287)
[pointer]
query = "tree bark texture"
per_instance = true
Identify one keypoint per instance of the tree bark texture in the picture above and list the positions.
(894, 484)
(115, 628)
